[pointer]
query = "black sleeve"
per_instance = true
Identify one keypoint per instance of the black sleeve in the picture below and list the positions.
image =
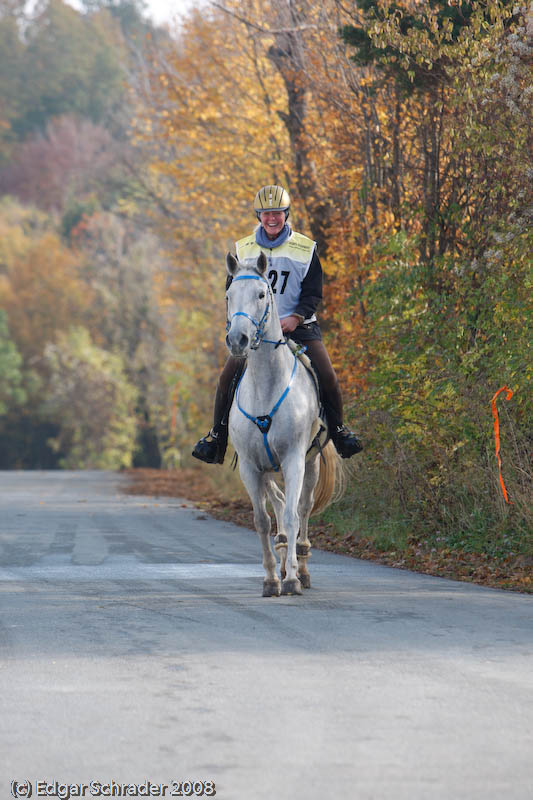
(311, 293)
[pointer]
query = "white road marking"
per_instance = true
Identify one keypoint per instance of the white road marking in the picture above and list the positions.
(129, 571)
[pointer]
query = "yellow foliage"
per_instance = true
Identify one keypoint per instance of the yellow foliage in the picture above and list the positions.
(214, 114)
(41, 291)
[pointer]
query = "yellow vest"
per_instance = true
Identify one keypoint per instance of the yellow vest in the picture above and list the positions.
(288, 265)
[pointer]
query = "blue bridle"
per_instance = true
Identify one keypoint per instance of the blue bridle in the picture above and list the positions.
(259, 326)
(265, 421)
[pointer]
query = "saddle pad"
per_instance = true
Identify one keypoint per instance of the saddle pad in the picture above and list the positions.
(306, 362)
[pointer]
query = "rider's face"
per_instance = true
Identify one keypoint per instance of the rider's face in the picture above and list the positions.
(272, 222)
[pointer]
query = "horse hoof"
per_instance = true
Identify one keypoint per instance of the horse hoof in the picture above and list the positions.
(305, 580)
(292, 586)
(271, 589)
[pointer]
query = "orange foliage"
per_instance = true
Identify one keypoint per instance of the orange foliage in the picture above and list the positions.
(218, 111)
(42, 294)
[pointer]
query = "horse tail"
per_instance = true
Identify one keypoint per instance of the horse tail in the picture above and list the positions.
(331, 482)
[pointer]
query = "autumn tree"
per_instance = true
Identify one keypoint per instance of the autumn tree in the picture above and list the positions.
(125, 268)
(208, 126)
(70, 65)
(403, 152)
(75, 250)
(41, 292)
(11, 388)
(446, 304)
(11, 84)
(71, 159)
(88, 393)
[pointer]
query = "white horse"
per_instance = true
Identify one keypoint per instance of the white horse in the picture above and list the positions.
(273, 421)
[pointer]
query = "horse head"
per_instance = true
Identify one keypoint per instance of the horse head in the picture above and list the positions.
(249, 305)
(233, 266)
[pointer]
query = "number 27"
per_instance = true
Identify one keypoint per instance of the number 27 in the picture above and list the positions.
(273, 278)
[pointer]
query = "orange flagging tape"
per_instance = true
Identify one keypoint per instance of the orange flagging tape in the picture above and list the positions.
(497, 436)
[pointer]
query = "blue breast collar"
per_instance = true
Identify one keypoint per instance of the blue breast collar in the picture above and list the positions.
(265, 421)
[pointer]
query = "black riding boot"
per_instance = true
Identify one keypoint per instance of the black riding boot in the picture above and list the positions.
(212, 448)
(346, 442)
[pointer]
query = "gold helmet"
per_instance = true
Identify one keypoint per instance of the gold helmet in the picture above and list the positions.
(272, 198)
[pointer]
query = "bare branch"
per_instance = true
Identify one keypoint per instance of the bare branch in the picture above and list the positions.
(259, 28)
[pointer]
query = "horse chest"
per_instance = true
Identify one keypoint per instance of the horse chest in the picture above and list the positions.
(265, 445)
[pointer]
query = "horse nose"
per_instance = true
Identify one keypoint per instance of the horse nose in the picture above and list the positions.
(237, 342)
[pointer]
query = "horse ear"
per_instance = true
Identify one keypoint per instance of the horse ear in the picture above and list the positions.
(231, 264)
(262, 263)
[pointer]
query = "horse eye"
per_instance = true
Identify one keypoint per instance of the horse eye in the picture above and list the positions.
(261, 295)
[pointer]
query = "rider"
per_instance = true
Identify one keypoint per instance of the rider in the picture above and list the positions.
(295, 275)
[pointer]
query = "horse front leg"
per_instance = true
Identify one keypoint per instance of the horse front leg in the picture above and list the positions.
(277, 498)
(303, 545)
(293, 473)
(256, 487)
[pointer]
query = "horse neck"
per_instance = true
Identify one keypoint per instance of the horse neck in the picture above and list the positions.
(269, 360)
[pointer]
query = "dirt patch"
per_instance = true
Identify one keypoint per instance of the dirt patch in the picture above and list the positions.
(191, 484)
(196, 486)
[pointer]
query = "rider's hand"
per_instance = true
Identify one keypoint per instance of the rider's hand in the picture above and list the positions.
(288, 324)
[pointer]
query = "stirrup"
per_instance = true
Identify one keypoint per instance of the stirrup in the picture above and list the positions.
(211, 448)
(346, 442)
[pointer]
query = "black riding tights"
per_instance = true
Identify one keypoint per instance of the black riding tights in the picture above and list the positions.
(329, 385)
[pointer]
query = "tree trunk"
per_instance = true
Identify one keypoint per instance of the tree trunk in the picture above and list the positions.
(287, 56)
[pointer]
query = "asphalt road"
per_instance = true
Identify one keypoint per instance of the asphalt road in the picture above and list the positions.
(135, 646)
